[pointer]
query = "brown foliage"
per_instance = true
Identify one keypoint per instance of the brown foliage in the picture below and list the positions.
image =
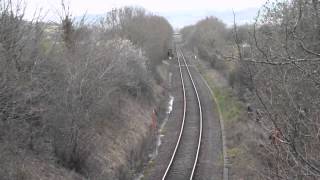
(283, 68)
(61, 87)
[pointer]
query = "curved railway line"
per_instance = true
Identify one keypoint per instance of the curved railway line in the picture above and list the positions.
(184, 159)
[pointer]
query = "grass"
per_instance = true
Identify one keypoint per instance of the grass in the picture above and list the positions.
(234, 152)
(231, 110)
(229, 106)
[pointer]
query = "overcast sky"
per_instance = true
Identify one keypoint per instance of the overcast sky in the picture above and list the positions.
(162, 7)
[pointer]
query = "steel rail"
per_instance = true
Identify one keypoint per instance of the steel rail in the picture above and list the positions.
(184, 117)
(200, 114)
(182, 124)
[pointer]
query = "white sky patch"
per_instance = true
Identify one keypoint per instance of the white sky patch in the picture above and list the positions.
(80, 7)
(179, 12)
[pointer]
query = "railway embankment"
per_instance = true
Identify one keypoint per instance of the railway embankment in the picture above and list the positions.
(238, 127)
(208, 165)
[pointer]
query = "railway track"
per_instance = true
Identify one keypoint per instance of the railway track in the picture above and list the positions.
(184, 159)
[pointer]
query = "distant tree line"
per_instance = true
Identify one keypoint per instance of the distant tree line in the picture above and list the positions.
(207, 38)
(150, 32)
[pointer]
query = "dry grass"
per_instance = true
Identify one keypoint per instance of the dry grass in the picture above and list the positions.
(240, 130)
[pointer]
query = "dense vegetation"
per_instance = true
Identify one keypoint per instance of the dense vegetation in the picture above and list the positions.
(273, 66)
(207, 38)
(63, 85)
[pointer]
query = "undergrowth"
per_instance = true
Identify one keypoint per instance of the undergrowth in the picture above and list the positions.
(232, 112)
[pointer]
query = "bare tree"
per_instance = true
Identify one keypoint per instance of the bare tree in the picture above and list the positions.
(60, 83)
(207, 38)
(149, 32)
(283, 67)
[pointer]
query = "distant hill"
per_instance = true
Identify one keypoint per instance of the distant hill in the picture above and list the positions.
(180, 19)
(90, 18)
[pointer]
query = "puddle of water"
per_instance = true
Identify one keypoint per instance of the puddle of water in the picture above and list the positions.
(169, 110)
(170, 105)
(154, 154)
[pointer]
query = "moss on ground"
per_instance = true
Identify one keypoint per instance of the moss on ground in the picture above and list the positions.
(229, 106)
(234, 152)
(231, 110)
